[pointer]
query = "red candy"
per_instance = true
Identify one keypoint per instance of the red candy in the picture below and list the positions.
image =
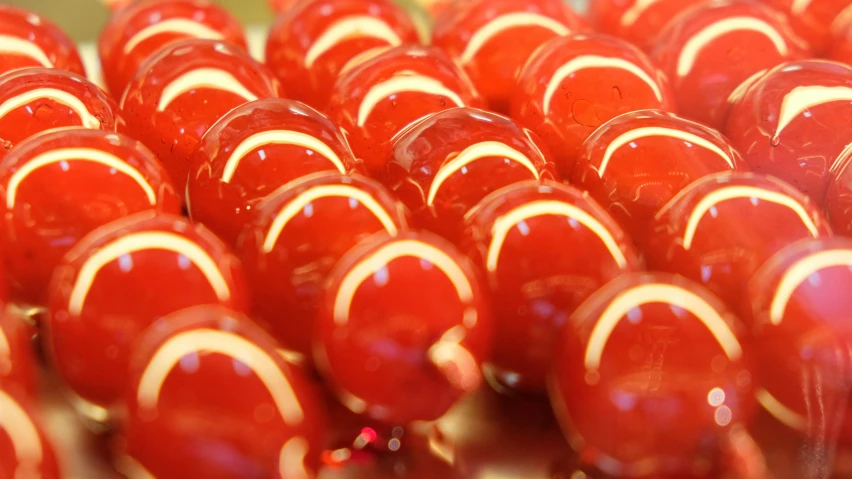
(636, 162)
(650, 376)
(710, 49)
(794, 122)
(59, 186)
(403, 329)
(30, 40)
(812, 19)
(799, 317)
(445, 164)
(139, 31)
(253, 150)
(520, 237)
(310, 44)
(17, 362)
(121, 278)
(838, 198)
(720, 229)
(24, 449)
(840, 47)
(33, 100)
(492, 39)
(560, 94)
(637, 21)
(211, 397)
(301, 231)
(179, 93)
(378, 97)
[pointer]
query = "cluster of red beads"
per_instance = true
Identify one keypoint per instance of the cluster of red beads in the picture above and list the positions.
(236, 267)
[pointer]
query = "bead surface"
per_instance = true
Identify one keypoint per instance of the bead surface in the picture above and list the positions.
(30, 40)
(838, 197)
(813, 19)
(637, 21)
(25, 451)
(17, 361)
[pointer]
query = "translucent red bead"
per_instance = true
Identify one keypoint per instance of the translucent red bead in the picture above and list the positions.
(24, 449)
(17, 361)
(30, 40)
(813, 20)
(636, 21)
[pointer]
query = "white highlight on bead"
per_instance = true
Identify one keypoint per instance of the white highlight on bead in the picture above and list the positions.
(800, 6)
(595, 61)
(21, 430)
(183, 26)
(734, 192)
(145, 241)
(473, 153)
(76, 154)
(291, 459)
(227, 344)
(405, 81)
(799, 272)
(348, 28)
(505, 223)
(779, 411)
(507, 22)
(802, 98)
(279, 137)
(5, 350)
(203, 78)
(659, 293)
(699, 41)
(454, 361)
(22, 47)
(87, 119)
(635, 11)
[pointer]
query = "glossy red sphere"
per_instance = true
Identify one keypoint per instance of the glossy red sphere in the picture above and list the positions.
(179, 93)
(493, 39)
(443, 166)
(793, 121)
(838, 197)
(544, 248)
(30, 40)
(309, 45)
(211, 397)
(799, 318)
(635, 163)
(403, 329)
(709, 50)
(812, 19)
(141, 30)
(637, 21)
(722, 228)
(25, 451)
(377, 97)
(301, 231)
(33, 100)
(17, 361)
(59, 186)
(651, 373)
(253, 150)
(840, 44)
(121, 278)
(561, 94)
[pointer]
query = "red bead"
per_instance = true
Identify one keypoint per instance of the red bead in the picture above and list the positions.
(812, 19)
(301, 231)
(838, 198)
(30, 40)
(518, 237)
(211, 397)
(443, 166)
(141, 30)
(492, 39)
(637, 21)
(34, 100)
(59, 186)
(635, 163)
(310, 44)
(712, 48)
(840, 44)
(121, 278)
(650, 375)
(25, 451)
(403, 329)
(799, 318)
(17, 362)
(572, 85)
(792, 122)
(179, 93)
(253, 150)
(720, 229)
(377, 97)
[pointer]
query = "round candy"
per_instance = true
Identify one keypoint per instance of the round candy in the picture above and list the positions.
(17, 361)
(121, 278)
(301, 231)
(309, 45)
(210, 396)
(793, 121)
(25, 451)
(799, 313)
(59, 186)
(445, 164)
(812, 19)
(709, 50)
(650, 373)
(403, 329)
(253, 150)
(492, 39)
(637, 21)
(377, 97)
(720, 229)
(179, 93)
(520, 236)
(140, 30)
(561, 94)
(33, 100)
(838, 197)
(636, 162)
(840, 46)
(30, 40)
